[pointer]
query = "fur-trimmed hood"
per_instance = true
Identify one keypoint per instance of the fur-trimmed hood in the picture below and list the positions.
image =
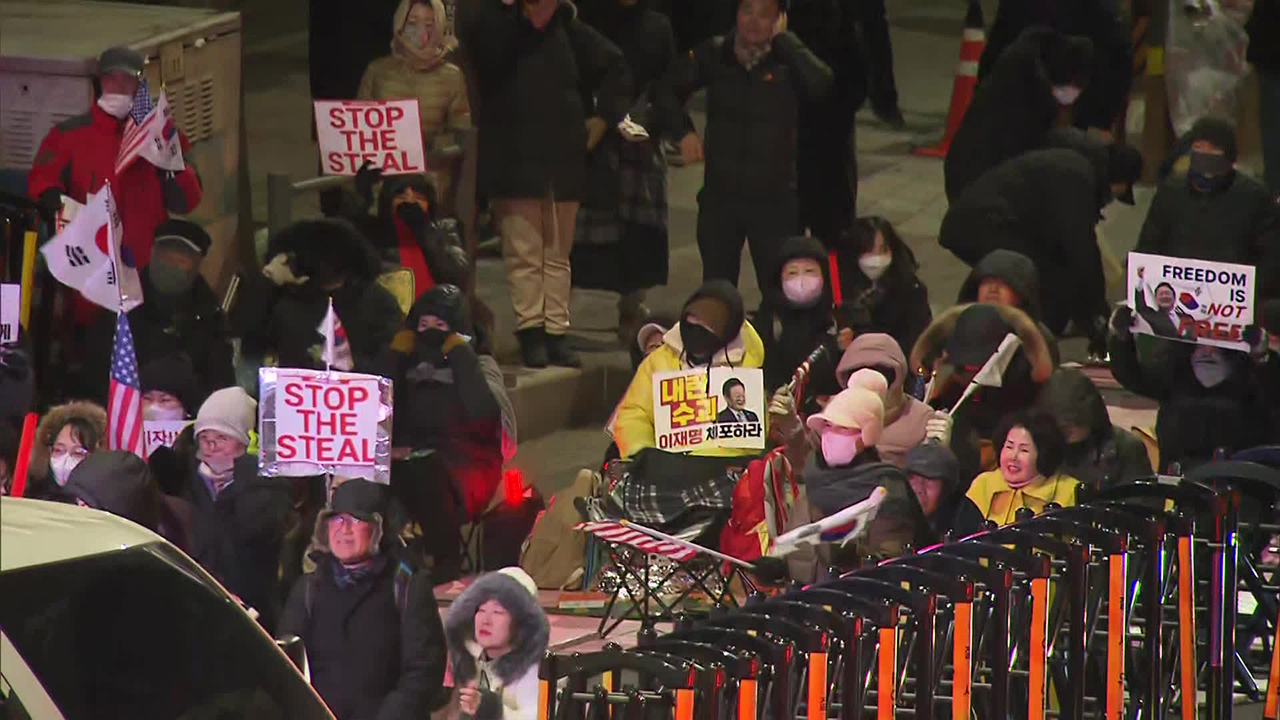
(51, 424)
(933, 340)
(529, 626)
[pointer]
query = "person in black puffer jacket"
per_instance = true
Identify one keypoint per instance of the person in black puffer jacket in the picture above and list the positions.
(534, 66)
(1017, 104)
(120, 483)
(447, 424)
(882, 292)
(1099, 454)
(313, 261)
(371, 629)
(795, 317)
(756, 76)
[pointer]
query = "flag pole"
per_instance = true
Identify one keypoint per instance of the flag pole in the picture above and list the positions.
(112, 250)
(328, 338)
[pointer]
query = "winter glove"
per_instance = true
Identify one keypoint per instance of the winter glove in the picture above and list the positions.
(49, 204)
(782, 414)
(938, 428)
(366, 177)
(280, 272)
(451, 342)
(412, 215)
(1257, 338)
(1121, 321)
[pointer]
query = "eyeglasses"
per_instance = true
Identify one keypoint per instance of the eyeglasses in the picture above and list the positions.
(57, 451)
(345, 519)
(215, 441)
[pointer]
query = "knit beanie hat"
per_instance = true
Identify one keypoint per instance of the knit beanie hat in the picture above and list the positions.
(860, 406)
(1221, 133)
(519, 575)
(231, 412)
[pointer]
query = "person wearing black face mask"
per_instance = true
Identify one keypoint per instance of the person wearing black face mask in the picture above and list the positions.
(448, 424)
(181, 315)
(1212, 212)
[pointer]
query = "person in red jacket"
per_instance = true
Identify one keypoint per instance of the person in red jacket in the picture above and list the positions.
(79, 155)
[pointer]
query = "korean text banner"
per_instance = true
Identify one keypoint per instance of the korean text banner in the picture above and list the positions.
(1196, 301)
(161, 433)
(385, 133)
(695, 409)
(313, 422)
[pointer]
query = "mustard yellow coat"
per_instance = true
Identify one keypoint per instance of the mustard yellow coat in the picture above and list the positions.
(633, 422)
(997, 501)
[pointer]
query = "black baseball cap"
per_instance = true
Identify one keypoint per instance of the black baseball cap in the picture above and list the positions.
(120, 59)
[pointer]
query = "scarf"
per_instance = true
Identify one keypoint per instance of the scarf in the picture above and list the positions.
(216, 482)
(429, 56)
(412, 257)
(749, 55)
(348, 576)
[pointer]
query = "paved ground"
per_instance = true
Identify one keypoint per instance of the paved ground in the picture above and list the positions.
(903, 188)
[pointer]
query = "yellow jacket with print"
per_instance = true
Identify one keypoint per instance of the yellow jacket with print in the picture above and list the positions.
(633, 423)
(997, 501)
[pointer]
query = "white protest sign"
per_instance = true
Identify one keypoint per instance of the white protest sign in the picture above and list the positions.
(385, 133)
(10, 310)
(1197, 301)
(695, 409)
(161, 433)
(314, 422)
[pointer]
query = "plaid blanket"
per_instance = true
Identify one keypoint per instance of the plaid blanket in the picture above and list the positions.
(657, 488)
(641, 175)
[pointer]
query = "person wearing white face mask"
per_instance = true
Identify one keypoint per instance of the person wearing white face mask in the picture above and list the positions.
(1210, 398)
(880, 288)
(66, 435)
(79, 155)
(238, 518)
(795, 317)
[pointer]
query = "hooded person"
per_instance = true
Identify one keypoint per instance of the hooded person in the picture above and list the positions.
(497, 637)
(120, 483)
(169, 388)
(1017, 103)
(448, 424)
(712, 330)
(906, 419)
(371, 628)
(1097, 453)
(1046, 204)
(1029, 473)
(1007, 277)
(313, 262)
(882, 292)
(1210, 398)
(238, 518)
(957, 345)
(411, 223)
(795, 316)
(182, 315)
(417, 68)
(66, 435)
(846, 468)
(1212, 211)
(934, 475)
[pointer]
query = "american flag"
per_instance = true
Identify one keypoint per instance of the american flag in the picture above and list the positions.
(135, 129)
(124, 406)
(616, 532)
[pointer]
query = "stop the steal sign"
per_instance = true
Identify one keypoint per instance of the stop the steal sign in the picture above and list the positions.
(313, 422)
(384, 133)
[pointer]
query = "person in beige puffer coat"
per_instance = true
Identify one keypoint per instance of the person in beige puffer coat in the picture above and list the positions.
(417, 68)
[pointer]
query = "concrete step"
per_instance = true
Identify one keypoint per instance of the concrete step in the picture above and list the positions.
(555, 398)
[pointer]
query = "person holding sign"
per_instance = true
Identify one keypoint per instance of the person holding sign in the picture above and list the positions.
(238, 517)
(416, 68)
(536, 66)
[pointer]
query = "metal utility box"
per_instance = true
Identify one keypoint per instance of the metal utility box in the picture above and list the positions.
(48, 56)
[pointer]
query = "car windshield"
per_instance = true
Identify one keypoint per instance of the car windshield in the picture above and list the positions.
(140, 633)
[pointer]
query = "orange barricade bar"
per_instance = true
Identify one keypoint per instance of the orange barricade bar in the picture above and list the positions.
(606, 680)
(1187, 628)
(747, 700)
(817, 686)
(1271, 710)
(961, 653)
(1117, 627)
(544, 694)
(886, 697)
(684, 704)
(1039, 648)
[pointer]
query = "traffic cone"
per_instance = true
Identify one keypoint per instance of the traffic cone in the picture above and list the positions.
(966, 79)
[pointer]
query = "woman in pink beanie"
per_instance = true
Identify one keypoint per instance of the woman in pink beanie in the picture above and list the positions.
(846, 468)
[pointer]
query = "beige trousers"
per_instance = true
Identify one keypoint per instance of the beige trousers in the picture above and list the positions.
(537, 235)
